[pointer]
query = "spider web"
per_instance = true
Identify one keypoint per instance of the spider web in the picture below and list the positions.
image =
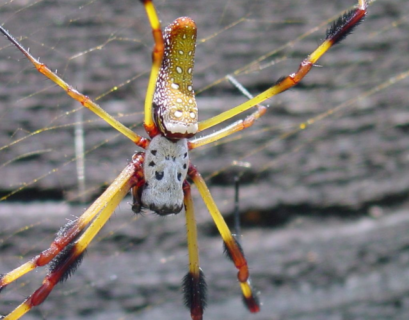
(351, 163)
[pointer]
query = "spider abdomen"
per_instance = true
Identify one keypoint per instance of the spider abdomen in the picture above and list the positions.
(165, 169)
(174, 105)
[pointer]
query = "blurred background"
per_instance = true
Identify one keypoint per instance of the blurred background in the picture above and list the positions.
(324, 210)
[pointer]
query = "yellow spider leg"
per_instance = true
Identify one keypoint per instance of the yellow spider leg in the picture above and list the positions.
(336, 33)
(157, 56)
(234, 127)
(66, 263)
(69, 232)
(73, 93)
(233, 248)
(194, 285)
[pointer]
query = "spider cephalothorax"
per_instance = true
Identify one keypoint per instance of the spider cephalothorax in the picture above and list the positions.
(165, 169)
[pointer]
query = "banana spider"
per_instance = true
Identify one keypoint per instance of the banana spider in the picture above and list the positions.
(157, 177)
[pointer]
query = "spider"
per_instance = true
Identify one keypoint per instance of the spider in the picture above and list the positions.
(159, 176)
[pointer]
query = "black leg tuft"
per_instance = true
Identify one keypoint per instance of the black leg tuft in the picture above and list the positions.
(62, 258)
(195, 291)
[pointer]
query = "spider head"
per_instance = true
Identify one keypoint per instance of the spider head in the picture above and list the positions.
(174, 105)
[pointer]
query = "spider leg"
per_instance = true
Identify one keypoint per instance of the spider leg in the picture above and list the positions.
(232, 246)
(194, 284)
(65, 252)
(157, 55)
(234, 127)
(230, 129)
(337, 32)
(73, 93)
